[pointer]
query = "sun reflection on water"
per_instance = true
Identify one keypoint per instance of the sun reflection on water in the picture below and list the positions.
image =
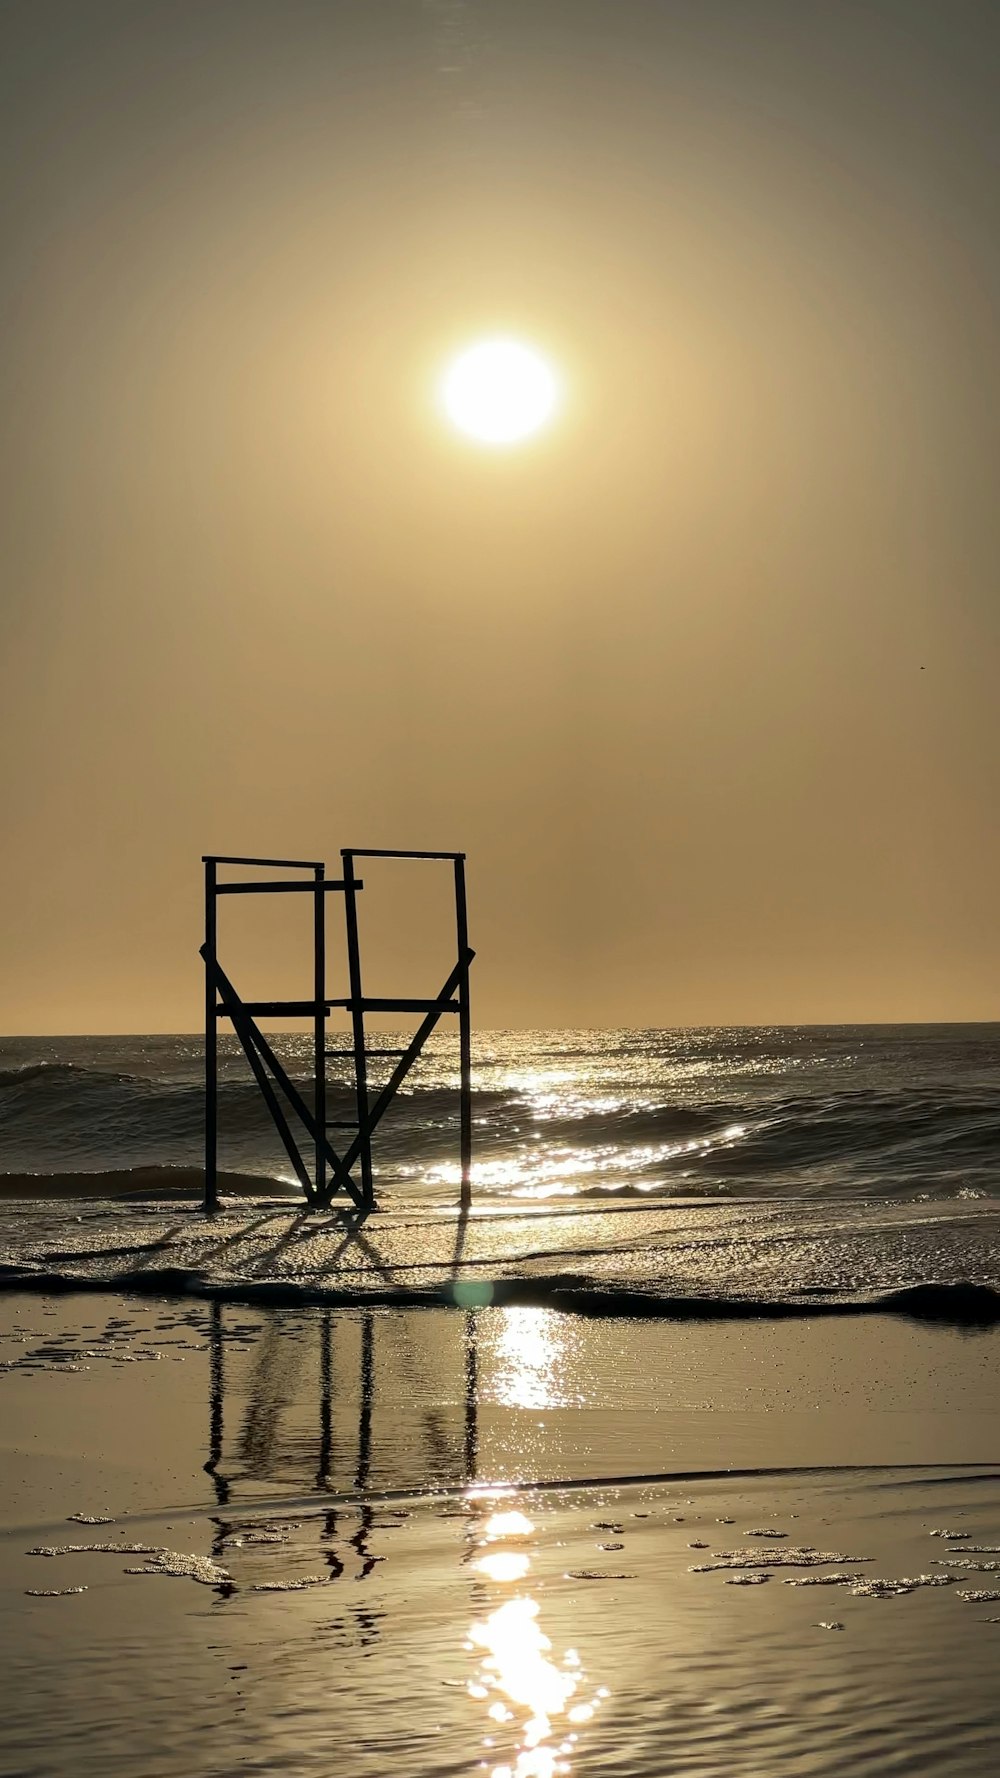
(507, 1524)
(543, 1169)
(529, 1353)
(503, 1565)
(531, 1696)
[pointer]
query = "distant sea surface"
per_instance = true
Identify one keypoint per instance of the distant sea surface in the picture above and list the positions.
(898, 1113)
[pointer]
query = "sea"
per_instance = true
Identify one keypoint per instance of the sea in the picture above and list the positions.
(798, 1112)
(823, 1159)
(439, 1499)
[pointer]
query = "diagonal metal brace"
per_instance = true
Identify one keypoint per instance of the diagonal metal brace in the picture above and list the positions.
(409, 1056)
(244, 1028)
(258, 1052)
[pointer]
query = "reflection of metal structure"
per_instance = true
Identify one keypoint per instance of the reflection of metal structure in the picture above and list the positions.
(331, 1170)
(259, 1436)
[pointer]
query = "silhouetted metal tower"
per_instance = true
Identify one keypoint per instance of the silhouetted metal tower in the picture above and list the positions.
(331, 1171)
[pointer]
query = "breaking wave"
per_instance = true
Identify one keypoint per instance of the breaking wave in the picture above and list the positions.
(961, 1304)
(883, 1138)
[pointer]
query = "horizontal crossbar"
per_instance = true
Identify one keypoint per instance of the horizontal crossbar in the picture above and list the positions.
(274, 863)
(374, 852)
(274, 1009)
(306, 1009)
(270, 887)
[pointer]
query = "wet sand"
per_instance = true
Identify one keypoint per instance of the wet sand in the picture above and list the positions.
(939, 1261)
(376, 1457)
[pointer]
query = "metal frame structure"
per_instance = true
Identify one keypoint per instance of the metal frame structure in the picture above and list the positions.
(331, 1171)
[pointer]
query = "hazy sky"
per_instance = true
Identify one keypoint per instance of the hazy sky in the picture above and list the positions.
(706, 679)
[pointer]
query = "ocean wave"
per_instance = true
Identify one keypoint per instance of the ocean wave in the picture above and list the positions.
(726, 1135)
(154, 1183)
(965, 1304)
(11, 1078)
(60, 1117)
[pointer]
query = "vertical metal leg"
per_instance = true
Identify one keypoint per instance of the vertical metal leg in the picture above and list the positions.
(464, 1033)
(358, 1026)
(319, 1030)
(211, 1199)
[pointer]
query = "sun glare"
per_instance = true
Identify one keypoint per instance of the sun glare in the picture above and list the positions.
(499, 391)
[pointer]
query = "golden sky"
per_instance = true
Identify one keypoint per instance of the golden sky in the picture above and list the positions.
(704, 677)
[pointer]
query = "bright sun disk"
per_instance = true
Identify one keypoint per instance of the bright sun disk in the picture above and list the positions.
(499, 391)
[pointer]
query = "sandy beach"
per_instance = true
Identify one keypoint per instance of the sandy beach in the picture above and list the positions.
(576, 1538)
(939, 1260)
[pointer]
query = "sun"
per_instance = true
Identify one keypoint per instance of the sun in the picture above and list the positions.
(499, 391)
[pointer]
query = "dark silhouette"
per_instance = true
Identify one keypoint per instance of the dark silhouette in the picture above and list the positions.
(331, 1171)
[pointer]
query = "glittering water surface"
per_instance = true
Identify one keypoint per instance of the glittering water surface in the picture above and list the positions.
(826, 1112)
(418, 1542)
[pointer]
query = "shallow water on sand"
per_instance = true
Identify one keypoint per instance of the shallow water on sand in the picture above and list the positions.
(528, 1633)
(460, 1615)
